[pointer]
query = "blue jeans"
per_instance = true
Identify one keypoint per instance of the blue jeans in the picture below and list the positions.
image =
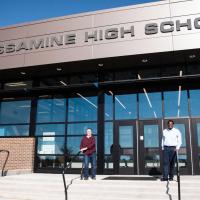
(169, 162)
(92, 160)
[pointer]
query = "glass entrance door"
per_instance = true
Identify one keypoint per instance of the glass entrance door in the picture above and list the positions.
(196, 145)
(125, 147)
(185, 150)
(150, 147)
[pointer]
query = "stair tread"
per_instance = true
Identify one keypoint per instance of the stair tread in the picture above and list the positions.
(48, 186)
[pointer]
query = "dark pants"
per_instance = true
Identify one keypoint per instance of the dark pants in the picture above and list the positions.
(92, 160)
(169, 155)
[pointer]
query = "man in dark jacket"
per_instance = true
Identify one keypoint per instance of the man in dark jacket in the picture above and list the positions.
(88, 147)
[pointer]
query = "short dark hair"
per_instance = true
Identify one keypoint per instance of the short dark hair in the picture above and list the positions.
(170, 120)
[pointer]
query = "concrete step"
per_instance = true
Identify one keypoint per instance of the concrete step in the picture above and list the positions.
(33, 196)
(50, 186)
(135, 197)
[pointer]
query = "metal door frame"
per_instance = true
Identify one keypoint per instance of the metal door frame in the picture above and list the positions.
(194, 139)
(141, 142)
(186, 122)
(116, 152)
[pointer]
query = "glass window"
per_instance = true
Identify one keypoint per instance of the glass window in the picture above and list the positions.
(50, 145)
(194, 102)
(73, 144)
(51, 110)
(14, 112)
(198, 134)
(76, 162)
(183, 163)
(181, 128)
(108, 107)
(50, 161)
(50, 129)
(198, 143)
(150, 105)
(126, 136)
(126, 106)
(176, 103)
(14, 130)
(108, 145)
(151, 136)
(82, 109)
(80, 128)
(108, 139)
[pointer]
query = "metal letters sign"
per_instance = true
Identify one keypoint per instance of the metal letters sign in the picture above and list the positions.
(98, 35)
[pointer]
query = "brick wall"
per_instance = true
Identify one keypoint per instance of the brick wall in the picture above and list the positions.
(21, 156)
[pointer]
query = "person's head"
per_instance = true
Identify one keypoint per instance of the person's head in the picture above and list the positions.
(89, 132)
(170, 124)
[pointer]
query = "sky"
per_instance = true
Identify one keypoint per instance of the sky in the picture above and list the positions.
(20, 11)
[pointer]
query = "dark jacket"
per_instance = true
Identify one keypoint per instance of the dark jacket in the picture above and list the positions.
(89, 143)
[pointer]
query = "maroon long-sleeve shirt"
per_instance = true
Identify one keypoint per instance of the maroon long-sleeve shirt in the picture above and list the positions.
(89, 143)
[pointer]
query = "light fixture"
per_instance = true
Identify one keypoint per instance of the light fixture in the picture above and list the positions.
(22, 73)
(144, 60)
(100, 65)
(44, 96)
(16, 84)
(11, 98)
(62, 82)
(59, 69)
(192, 56)
(110, 92)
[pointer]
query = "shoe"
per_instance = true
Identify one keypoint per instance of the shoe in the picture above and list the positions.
(93, 178)
(86, 178)
(164, 179)
(171, 179)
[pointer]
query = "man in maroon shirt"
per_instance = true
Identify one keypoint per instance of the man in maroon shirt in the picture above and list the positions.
(88, 147)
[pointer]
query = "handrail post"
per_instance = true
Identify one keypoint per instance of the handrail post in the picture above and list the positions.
(178, 175)
(63, 175)
(2, 172)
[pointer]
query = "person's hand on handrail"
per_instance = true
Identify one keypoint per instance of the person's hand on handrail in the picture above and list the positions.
(83, 149)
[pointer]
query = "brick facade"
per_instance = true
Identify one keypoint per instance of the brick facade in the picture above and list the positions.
(21, 157)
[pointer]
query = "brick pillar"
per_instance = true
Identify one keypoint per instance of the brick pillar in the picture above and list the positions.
(21, 158)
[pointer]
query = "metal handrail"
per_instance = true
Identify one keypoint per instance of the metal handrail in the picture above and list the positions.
(8, 153)
(178, 176)
(63, 175)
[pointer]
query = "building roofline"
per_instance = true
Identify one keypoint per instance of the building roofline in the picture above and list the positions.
(103, 11)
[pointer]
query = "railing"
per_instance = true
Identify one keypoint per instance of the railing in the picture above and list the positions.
(178, 176)
(6, 151)
(63, 175)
